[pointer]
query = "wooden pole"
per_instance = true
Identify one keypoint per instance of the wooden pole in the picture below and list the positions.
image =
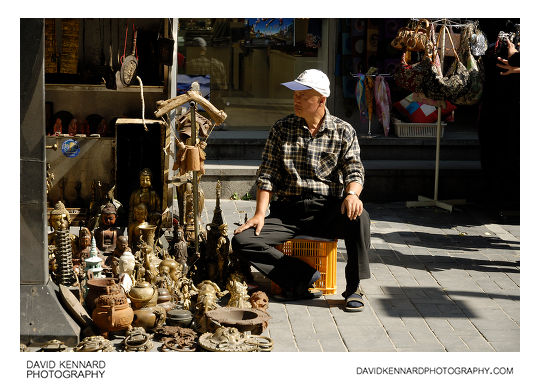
(195, 181)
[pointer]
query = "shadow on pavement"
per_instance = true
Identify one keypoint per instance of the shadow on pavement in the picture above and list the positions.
(446, 241)
(428, 302)
(440, 262)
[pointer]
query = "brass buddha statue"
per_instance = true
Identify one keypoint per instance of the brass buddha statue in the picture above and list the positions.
(62, 246)
(144, 194)
(59, 219)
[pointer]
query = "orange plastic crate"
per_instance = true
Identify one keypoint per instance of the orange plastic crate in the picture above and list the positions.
(322, 255)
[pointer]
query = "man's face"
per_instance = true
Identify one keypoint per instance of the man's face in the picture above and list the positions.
(306, 103)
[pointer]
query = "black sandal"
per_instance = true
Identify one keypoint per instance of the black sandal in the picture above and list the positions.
(354, 302)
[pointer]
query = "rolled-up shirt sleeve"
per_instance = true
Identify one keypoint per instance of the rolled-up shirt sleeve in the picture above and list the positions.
(268, 172)
(351, 164)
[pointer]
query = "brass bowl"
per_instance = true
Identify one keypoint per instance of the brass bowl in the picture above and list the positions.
(253, 320)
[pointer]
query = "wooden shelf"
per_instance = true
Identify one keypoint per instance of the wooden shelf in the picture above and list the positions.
(101, 88)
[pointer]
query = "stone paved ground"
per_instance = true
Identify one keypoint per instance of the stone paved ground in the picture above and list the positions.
(440, 282)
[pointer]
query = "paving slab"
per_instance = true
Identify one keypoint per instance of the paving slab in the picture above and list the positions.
(440, 282)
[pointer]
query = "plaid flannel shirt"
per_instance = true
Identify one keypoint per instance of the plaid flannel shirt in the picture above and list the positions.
(295, 163)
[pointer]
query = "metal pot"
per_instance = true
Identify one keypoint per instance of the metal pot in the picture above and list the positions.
(165, 299)
(97, 287)
(149, 317)
(143, 294)
(112, 312)
(179, 317)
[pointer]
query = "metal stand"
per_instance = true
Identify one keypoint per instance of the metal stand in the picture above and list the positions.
(428, 202)
(369, 134)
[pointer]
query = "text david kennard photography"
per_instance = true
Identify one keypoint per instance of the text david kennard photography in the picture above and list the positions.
(65, 369)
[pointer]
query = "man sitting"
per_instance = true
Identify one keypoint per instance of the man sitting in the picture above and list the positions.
(311, 166)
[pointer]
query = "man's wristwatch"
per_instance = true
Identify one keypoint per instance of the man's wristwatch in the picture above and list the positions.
(350, 192)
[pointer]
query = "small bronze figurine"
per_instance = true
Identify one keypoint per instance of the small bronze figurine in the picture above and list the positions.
(122, 245)
(164, 279)
(150, 263)
(106, 234)
(238, 289)
(208, 296)
(179, 248)
(170, 274)
(218, 244)
(190, 212)
(187, 290)
(259, 300)
(140, 214)
(85, 240)
(223, 249)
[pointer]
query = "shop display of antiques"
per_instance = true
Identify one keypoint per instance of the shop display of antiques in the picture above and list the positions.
(135, 284)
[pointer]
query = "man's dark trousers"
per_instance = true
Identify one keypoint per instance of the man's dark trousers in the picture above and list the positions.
(317, 217)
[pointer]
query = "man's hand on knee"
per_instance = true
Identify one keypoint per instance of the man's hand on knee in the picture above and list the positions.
(256, 221)
(352, 206)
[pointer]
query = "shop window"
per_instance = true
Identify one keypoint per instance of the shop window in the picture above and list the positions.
(240, 63)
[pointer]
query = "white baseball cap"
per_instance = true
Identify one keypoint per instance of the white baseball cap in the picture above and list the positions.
(199, 42)
(311, 79)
